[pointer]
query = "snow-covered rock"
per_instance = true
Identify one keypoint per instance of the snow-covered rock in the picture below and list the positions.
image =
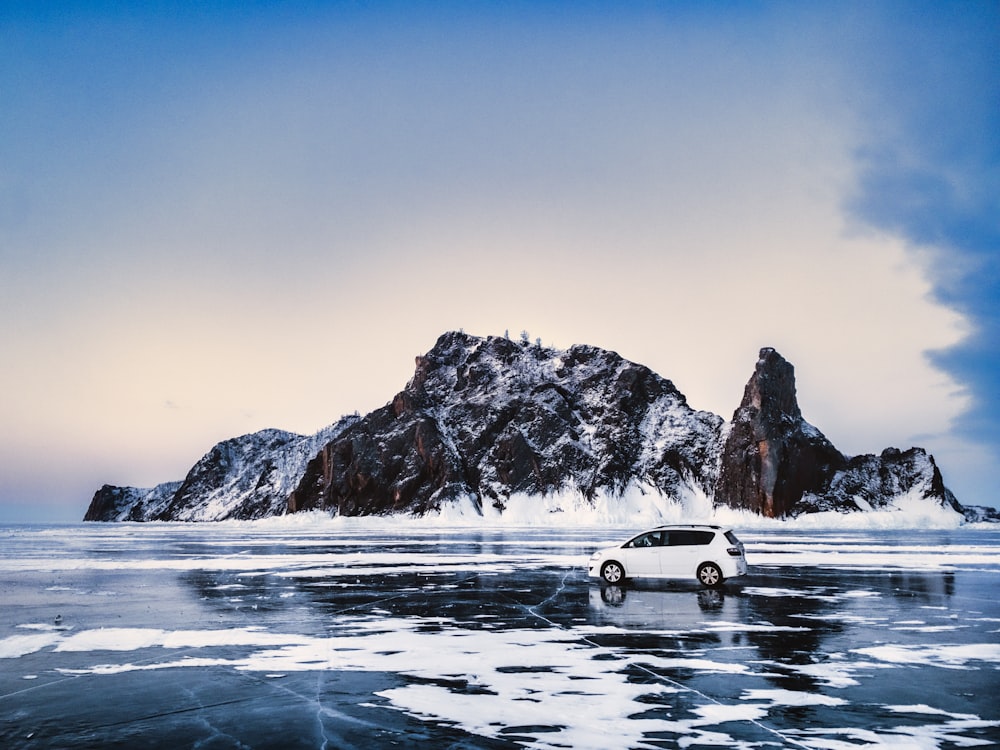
(490, 418)
(778, 465)
(245, 478)
(874, 482)
(112, 503)
(489, 426)
(980, 514)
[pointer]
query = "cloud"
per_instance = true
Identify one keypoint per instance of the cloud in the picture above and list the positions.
(930, 173)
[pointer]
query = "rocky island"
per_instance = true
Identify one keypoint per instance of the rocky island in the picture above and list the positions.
(486, 419)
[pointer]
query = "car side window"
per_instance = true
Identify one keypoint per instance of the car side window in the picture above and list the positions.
(690, 538)
(652, 539)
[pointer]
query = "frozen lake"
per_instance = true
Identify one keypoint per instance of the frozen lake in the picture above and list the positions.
(353, 636)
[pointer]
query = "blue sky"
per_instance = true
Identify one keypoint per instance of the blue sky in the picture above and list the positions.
(221, 217)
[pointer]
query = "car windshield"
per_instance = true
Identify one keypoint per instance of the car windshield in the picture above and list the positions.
(732, 538)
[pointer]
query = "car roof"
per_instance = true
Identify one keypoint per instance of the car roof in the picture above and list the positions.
(713, 527)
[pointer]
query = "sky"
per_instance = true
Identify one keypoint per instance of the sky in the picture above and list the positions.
(220, 217)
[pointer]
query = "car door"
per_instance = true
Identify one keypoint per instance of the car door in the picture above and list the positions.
(642, 554)
(684, 551)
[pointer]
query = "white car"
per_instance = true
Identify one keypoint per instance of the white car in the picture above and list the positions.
(709, 554)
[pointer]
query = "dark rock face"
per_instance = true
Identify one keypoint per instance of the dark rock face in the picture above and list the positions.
(772, 456)
(484, 419)
(488, 418)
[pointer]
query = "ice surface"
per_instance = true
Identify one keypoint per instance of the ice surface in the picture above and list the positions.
(379, 635)
(947, 656)
(18, 645)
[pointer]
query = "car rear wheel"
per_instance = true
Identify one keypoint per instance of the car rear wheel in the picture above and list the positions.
(709, 575)
(612, 571)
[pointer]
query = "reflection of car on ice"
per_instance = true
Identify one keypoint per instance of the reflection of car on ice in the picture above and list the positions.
(646, 603)
(709, 554)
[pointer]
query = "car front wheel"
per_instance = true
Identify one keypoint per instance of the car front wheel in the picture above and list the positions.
(612, 572)
(709, 575)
